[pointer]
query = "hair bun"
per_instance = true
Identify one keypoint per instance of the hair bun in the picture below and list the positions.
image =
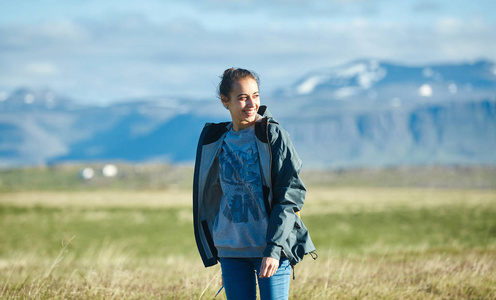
(227, 72)
(230, 76)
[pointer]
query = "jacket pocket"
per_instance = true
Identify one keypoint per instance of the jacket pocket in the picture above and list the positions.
(298, 243)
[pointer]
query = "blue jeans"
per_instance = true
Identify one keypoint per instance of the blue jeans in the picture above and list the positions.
(240, 279)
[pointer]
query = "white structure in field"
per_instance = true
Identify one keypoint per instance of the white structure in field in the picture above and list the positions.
(86, 173)
(109, 171)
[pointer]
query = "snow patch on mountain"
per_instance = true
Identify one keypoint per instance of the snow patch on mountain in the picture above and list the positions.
(308, 86)
(360, 75)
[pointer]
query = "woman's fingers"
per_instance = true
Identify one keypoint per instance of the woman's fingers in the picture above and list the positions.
(269, 267)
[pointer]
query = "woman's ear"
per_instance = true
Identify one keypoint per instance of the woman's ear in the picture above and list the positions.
(225, 101)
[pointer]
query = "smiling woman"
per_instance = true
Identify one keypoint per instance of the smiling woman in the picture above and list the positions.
(247, 194)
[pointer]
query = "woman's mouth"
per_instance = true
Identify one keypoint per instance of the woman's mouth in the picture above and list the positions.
(250, 112)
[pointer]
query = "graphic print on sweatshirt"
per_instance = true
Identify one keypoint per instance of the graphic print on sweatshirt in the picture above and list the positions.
(241, 182)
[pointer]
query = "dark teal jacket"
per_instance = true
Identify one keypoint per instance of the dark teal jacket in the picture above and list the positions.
(284, 192)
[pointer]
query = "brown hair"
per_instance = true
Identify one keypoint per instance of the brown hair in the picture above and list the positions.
(232, 75)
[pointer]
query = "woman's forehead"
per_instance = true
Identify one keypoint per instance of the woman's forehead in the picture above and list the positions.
(247, 84)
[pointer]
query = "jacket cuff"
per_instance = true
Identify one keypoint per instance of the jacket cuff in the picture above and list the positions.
(272, 251)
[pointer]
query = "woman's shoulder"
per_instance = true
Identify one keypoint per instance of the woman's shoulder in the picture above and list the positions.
(276, 130)
(213, 131)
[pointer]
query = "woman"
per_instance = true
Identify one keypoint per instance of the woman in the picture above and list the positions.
(247, 194)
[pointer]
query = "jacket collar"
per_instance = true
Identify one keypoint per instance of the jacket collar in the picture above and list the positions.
(264, 112)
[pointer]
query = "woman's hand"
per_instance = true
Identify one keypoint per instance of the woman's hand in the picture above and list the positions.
(269, 267)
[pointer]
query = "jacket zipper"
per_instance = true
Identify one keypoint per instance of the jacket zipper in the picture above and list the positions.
(270, 202)
(270, 162)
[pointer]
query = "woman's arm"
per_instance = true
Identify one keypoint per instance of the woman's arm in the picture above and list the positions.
(288, 190)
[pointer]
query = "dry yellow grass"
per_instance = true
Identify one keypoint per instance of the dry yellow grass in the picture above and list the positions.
(321, 200)
(467, 275)
(99, 199)
(113, 275)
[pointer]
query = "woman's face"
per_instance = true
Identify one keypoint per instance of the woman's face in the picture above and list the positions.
(243, 103)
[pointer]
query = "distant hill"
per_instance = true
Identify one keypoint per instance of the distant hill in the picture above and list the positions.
(365, 113)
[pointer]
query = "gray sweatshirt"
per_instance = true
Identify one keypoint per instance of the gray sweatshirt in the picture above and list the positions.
(240, 227)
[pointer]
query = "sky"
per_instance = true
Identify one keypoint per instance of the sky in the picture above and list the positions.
(102, 52)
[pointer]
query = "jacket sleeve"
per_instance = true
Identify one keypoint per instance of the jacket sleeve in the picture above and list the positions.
(288, 190)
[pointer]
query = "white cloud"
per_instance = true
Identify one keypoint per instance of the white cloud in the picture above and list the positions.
(449, 25)
(41, 68)
(122, 54)
(66, 30)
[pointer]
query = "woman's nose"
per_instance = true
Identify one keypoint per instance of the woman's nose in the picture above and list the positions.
(250, 101)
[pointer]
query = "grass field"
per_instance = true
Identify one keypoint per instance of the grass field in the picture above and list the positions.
(373, 242)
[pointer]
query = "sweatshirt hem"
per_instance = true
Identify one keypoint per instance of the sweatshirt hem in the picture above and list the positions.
(240, 252)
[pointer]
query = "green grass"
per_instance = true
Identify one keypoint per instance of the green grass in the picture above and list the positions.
(142, 232)
(158, 232)
(363, 232)
(373, 243)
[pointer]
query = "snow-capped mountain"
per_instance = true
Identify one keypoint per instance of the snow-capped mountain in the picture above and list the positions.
(365, 76)
(42, 127)
(365, 113)
(369, 84)
(25, 99)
